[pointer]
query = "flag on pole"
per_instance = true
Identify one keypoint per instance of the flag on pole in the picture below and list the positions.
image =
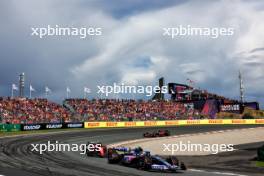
(87, 90)
(47, 89)
(14, 87)
(68, 90)
(31, 88)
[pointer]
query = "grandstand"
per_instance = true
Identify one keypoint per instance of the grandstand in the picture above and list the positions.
(128, 110)
(186, 103)
(23, 110)
(30, 111)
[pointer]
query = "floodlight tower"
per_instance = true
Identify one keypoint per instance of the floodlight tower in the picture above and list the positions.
(21, 84)
(241, 87)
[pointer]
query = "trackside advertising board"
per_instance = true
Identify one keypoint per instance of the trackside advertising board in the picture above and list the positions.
(9, 127)
(46, 126)
(173, 123)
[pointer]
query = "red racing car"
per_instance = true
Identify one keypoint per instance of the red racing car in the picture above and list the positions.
(159, 133)
(99, 150)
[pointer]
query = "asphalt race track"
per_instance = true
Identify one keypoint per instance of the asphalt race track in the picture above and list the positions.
(16, 158)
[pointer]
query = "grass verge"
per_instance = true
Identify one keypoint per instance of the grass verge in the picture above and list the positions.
(260, 163)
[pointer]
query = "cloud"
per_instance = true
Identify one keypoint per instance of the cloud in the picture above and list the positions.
(257, 50)
(132, 48)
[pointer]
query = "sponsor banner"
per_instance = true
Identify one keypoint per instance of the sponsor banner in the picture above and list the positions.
(53, 126)
(140, 123)
(193, 122)
(215, 121)
(73, 125)
(9, 127)
(231, 108)
(92, 124)
(44, 126)
(259, 121)
(29, 127)
(113, 124)
(3, 128)
(172, 123)
(151, 123)
(130, 124)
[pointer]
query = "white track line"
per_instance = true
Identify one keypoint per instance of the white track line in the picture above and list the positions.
(177, 136)
(218, 173)
(48, 132)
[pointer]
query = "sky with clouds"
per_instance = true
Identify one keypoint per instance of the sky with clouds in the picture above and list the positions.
(132, 48)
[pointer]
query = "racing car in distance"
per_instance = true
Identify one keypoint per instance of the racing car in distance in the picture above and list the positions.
(143, 160)
(159, 133)
(96, 149)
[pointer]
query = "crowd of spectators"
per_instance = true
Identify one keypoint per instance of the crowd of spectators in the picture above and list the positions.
(129, 110)
(22, 110)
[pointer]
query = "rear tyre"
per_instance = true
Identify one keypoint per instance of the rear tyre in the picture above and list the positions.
(183, 166)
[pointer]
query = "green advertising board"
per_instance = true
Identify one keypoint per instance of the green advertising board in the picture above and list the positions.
(9, 127)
